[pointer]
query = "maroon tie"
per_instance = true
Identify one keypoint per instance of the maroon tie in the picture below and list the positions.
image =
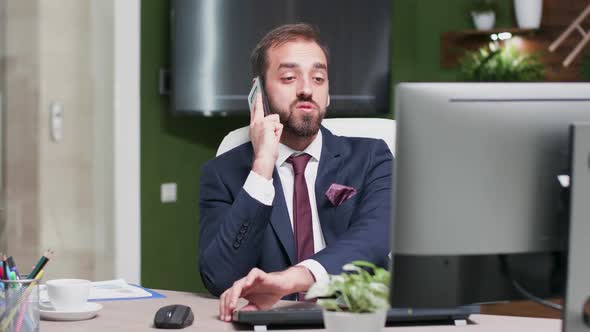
(301, 209)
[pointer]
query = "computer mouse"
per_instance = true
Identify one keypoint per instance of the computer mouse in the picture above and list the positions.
(176, 316)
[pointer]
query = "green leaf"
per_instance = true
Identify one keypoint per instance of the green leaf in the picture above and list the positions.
(363, 287)
(350, 268)
(495, 64)
(319, 290)
(329, 304)
(365, 264)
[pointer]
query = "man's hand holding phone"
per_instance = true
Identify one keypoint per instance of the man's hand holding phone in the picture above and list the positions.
(265, 134)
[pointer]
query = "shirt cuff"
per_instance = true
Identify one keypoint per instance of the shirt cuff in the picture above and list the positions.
(317, 270)
(260, 188)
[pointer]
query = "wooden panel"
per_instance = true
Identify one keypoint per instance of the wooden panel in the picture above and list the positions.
(557, 15)
(522, 308)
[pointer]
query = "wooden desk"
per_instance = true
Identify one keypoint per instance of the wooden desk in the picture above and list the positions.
(523, 309)
(138, 315)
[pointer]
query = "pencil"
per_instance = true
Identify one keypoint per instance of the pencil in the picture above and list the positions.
(40, 264)
(23, 309)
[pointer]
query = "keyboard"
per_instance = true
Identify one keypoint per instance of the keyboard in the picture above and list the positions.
(307, 313)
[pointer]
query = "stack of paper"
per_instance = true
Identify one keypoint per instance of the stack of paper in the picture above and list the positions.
(107, 290)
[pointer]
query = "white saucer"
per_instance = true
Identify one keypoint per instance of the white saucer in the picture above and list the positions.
(49, 313)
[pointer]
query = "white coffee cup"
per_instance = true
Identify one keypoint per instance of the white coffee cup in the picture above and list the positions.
(68, 294)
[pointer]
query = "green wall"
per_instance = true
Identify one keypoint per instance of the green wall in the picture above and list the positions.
(173, 148)
(418, 25)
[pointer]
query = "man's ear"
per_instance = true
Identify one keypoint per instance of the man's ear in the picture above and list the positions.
(328, 102)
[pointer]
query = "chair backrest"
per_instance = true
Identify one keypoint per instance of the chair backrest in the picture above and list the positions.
(354, 127)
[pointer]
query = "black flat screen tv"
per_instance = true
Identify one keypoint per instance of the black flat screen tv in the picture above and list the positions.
(212, 41)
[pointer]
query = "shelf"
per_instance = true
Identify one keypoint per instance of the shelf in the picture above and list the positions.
(454, 44)
(473, 32)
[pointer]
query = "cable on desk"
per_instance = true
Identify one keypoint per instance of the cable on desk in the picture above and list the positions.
(520, 289)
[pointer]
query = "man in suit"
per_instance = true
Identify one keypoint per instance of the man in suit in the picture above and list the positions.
(297, 202)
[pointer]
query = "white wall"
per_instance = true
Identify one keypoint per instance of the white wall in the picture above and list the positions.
(102, 69)
(66, 198)
(79, 196)
(127, 145)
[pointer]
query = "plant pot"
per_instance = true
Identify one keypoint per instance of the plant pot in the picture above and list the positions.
(336, 321)
(528, 13)
(484, 20)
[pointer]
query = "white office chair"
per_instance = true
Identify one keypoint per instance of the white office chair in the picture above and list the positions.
(354, 127)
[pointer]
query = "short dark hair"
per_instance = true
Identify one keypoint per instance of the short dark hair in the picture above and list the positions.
(280, 35)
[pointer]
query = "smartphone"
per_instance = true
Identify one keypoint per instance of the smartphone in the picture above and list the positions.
(258, 86)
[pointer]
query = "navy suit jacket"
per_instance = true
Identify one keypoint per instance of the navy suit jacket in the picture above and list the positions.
(238, 233)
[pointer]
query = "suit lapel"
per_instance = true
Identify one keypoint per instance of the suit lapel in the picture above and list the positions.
(279, 217)
(280, 221)
(328, 170)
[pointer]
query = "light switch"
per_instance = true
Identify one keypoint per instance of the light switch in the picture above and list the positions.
(56, 119)
(168, 192)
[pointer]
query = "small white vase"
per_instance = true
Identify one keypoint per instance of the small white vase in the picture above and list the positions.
(336, 321)
(484, 20)
(528, 13)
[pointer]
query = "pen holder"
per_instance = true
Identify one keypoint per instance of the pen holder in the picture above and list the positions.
(19, 305)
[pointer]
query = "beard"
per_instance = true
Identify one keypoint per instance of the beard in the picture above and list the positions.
(299, 123)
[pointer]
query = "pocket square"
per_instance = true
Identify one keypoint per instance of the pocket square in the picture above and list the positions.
(338, 193)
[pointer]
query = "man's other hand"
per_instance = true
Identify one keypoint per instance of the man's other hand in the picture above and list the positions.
(263, 290)
(265, 134)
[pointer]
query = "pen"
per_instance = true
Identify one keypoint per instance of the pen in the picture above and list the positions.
(10, 262)
(12, 267)
(5, 267)
(2, 276)
(40, 264)
(13, 278)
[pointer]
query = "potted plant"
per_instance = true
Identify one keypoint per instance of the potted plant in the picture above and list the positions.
(483, 13)
(500, 64)
(528, 13)
(358, 298)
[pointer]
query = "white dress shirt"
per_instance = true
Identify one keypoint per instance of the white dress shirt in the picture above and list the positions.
(263, 191)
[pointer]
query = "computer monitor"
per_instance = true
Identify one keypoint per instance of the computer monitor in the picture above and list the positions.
(476, 176)
(577, 300)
